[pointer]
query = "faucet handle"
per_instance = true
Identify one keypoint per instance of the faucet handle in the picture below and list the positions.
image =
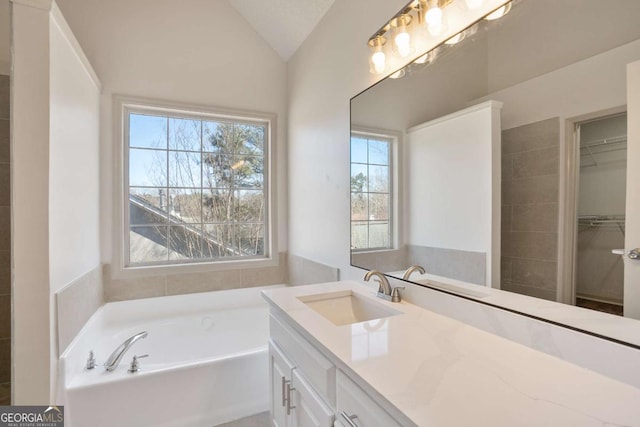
(91, 361)
(395, 294)
(135, 366)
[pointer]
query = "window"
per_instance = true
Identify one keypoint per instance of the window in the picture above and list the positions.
(371, 198)
(195, 187)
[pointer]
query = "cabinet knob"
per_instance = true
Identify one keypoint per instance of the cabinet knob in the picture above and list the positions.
(349, 419)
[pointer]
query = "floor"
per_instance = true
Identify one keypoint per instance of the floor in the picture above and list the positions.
(599, 306)
(258, 420)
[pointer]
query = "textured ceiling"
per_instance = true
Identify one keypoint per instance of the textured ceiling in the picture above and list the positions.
(284, 24)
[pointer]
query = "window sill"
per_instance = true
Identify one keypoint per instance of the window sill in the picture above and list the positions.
(196, 267)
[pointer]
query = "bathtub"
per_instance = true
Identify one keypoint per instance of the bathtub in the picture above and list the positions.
(207, 363)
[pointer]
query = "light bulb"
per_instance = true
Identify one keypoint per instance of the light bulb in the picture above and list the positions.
(455, 39)
(398, 74)
(423, 59)
(379, 62)
(499, 13)
(402, 38)
(436, 30)
(403, 43)
(474, 4)
(433, 17)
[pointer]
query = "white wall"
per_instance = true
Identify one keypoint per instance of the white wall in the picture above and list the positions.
(74, 187)
(197, 52)
(454, 183)
(594, 84)
(55, 190)
(331, 67)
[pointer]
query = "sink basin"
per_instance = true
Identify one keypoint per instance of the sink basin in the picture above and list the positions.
(346, 307)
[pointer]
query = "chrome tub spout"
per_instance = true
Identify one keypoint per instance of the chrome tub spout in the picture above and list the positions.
(114, 360)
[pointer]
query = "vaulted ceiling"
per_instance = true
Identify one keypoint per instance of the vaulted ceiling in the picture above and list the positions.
(284, 24)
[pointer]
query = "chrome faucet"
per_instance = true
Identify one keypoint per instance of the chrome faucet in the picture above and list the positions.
(383, 284)
(411, 269)
(384, 288)
(114, 360)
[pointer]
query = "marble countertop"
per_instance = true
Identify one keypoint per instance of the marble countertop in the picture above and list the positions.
(620, 328)
(437, 371)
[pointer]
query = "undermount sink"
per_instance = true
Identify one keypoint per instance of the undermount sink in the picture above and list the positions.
(346, 307)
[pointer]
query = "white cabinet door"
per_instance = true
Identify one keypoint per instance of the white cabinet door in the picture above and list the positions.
(280, 375)
(309, 410)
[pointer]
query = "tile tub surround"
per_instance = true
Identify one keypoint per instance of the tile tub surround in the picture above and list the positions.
(530, 202)
(76, 303)
(454, 365)
(303, 271)
(455, 264)
(5, 242)
(186, 283)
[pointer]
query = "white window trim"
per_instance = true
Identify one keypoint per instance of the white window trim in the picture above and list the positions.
(395, 174)
(121, 106)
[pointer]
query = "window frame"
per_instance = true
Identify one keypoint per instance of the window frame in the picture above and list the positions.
(123, 107)
(395, 180)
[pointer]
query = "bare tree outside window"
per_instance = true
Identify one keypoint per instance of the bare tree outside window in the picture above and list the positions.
(370, 192)
(196, 189)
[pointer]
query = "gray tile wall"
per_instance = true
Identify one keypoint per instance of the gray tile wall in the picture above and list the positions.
(176, 284)
(5, 246)
(455, 264)
(530, 201)
(387, 260)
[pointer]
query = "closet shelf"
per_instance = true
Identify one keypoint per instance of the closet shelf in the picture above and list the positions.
(594, 148)
(602, 221)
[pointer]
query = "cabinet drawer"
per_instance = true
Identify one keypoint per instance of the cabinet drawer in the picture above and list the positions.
(355, 402)
(317, 369)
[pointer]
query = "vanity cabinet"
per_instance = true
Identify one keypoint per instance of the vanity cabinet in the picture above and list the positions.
(307, 389)
(300, 380)
(355, 406)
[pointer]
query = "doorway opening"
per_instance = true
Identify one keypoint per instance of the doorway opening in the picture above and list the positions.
(601, 201)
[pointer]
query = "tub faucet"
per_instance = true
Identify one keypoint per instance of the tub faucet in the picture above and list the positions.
(411, 269)
(114, 360)
(384, 288)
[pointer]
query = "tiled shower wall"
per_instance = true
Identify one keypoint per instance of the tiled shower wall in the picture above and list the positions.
(5, 242)
(530, 201)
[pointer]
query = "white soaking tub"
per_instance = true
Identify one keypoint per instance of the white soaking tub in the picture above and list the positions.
(207, 362)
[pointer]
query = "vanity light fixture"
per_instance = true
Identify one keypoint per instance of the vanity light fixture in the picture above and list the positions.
(474, 4)
(434, 15)
(378, 60)
(499, 13)
(402, 38)
(408, 31)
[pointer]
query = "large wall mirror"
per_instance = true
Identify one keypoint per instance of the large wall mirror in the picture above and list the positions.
(497, 166)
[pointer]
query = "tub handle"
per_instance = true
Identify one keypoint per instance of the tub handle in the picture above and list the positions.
(135, 367)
